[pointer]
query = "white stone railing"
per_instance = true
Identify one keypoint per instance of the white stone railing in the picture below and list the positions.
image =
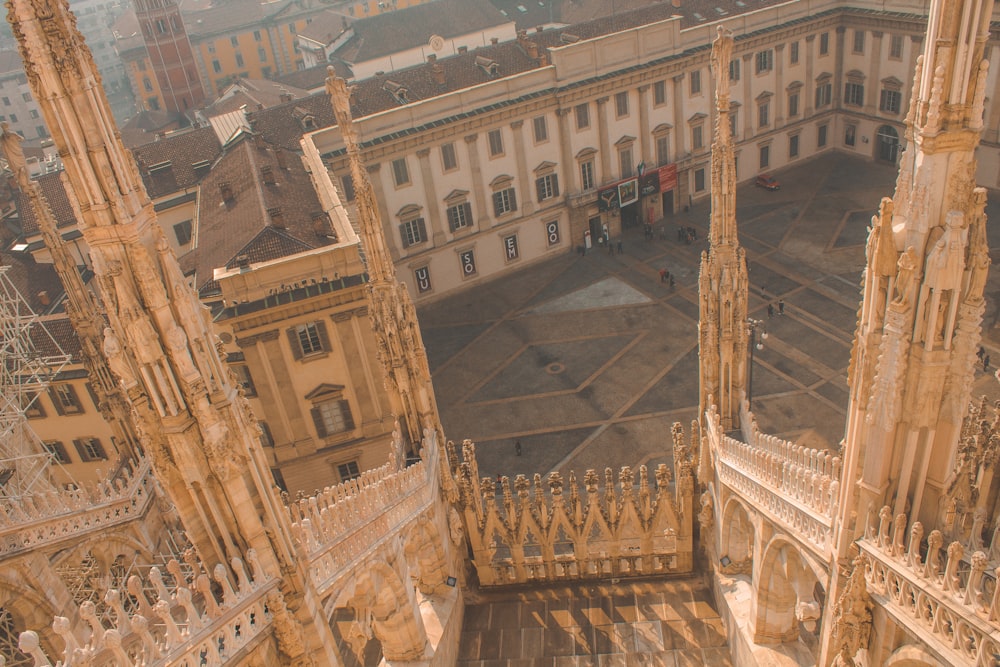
(338, 526)
(186, 626)
(46, 518)
(795, 486)
(952, 604)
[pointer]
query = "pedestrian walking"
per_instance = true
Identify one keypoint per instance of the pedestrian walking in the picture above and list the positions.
(770, 310)
(986, 363)
(671, 282)
(981, 352)
(781, 306)
(663, 275)
(620, 249)
(517, 447)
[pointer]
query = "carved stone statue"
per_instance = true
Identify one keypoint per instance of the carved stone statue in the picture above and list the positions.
(119, 364)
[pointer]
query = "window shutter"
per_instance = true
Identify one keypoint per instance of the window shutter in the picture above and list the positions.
(324, 339)
(318, 421)
(345, 410)
(98, 449)
(468, 212)
(422, 229)
(402, 235)
(452, 218)
(555, 185)
(54, 397)
(81, 450)
(496, 203)
(293, 340)
(540, 188)
(513, 199)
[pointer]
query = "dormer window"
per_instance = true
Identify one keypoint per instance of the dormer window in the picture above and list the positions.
(397, 90)
(488, 65)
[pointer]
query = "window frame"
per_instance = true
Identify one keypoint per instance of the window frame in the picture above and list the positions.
(621, 104)
(494, 142)
(582, 115)
(763, 61)
(65, 399)
(547, 186)
(540, 129)
(694, 82)
(90, 449)
(315, 334)
(459, 216)
(400, 172)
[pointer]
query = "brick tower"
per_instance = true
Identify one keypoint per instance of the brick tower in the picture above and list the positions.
(170, 54)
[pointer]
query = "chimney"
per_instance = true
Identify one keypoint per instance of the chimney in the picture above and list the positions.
(277, 219)
(226, 190)
(438, 71)
(531, 48)
(285, 96)
(675, 3)
(494, 40)
(543, 60)
(258, 141)
(267, 174)
(43, 298)
(279, 157)
(432, 58)
(243, 261)
(539, 28)
(463, 49)
(320, 224)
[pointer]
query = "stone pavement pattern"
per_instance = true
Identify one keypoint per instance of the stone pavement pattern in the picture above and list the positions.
(663, 624)
(589, 360)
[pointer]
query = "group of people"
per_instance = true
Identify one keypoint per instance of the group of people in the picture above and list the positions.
(687, 235)
(781, 308)
(984, 358)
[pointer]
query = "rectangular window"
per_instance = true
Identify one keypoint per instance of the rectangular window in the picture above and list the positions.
(216, 67)
(621, 104)
(582, 116)
(413, 232)
(850, 134)
(90, 449)
(659, 93)
(793, 105)
(793, 146)
(33, 113)
(26, 97)
(824, 44)
(699, 180)
(765, 157)
(763, 114)
(821, 136)
(239, 60)
(890, 101)
(182, 230)
(58, 451)
(234, 41)
(256, 35)
(587, 175)
(332, 417)
(262, 54)
(504, 201)
(662, 150)
(734, 69)
(896, 47)
(496, 142)
(824, 94)
(547, 187)
(400, 174)
(764, 61)
(309, 338)
(65, 399)
(459, 216)
(793, 53)
(244, 380)
(211, 49)
(348, 471)
(854, 94)
(734, 122)
(697, 142)
(859, 41)
(696, 82)
(291, 28)
(6, 101)
(625, 162)
(541, 129)
(347, 187)
(449, 159)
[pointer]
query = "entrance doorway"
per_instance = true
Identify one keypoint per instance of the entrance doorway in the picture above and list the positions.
(887, 144)
(668, 202)
(596, 230)
(630, 215)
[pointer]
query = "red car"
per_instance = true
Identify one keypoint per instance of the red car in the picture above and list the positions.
(767, 182)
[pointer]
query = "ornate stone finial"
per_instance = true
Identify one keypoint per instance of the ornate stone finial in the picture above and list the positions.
(852, 623)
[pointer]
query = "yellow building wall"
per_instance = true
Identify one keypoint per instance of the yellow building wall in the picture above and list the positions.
(144, 83)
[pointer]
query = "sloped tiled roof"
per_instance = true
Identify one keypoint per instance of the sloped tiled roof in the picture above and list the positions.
(31, 278)
(254, 93)
(314, 78)
(281, 125)
(181, 150)
(55, 195)
(62, 338)
(392, 32)
(245, 226)
(326, 26)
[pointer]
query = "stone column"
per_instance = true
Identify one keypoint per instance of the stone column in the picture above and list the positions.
(435, 221)
(809, 87)
(645, 139)
(680, 122)
(873, 86)
(838, 72)
(478, 192)
(751, 103)
(274, 386)
(366, 390)
(604, 146)
(388, 222)
(572, 174)
(779, 86)
(527, 185)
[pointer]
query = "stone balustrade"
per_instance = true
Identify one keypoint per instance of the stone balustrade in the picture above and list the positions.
(523, 532)
(341, 524)
(46, 518)
(796, 486)
(950, 602)
(188, 624)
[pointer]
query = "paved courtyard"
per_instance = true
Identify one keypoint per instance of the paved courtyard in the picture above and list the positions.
(587, 361)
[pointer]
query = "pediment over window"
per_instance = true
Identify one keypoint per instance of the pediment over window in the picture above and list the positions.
(857, 75)
(408, 211)
(545, 167)
(892, 83)
(625, 141)
(793, 86)
(586, 153)
(456, 196)
(765, 96)
(503, 180)
(662, 128)
(325, 390)
(697, 118)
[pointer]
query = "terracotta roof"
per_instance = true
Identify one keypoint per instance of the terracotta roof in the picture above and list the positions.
(314, 78)
(61, 338)
(31, 278)
(254, 93)
(225, 16)
(182, 151)
(284, 124)
(392, 32)
(327, 26)
(55, 195)
(246, 225)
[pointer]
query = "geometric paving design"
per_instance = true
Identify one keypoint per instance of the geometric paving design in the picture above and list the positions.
(602, 294)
